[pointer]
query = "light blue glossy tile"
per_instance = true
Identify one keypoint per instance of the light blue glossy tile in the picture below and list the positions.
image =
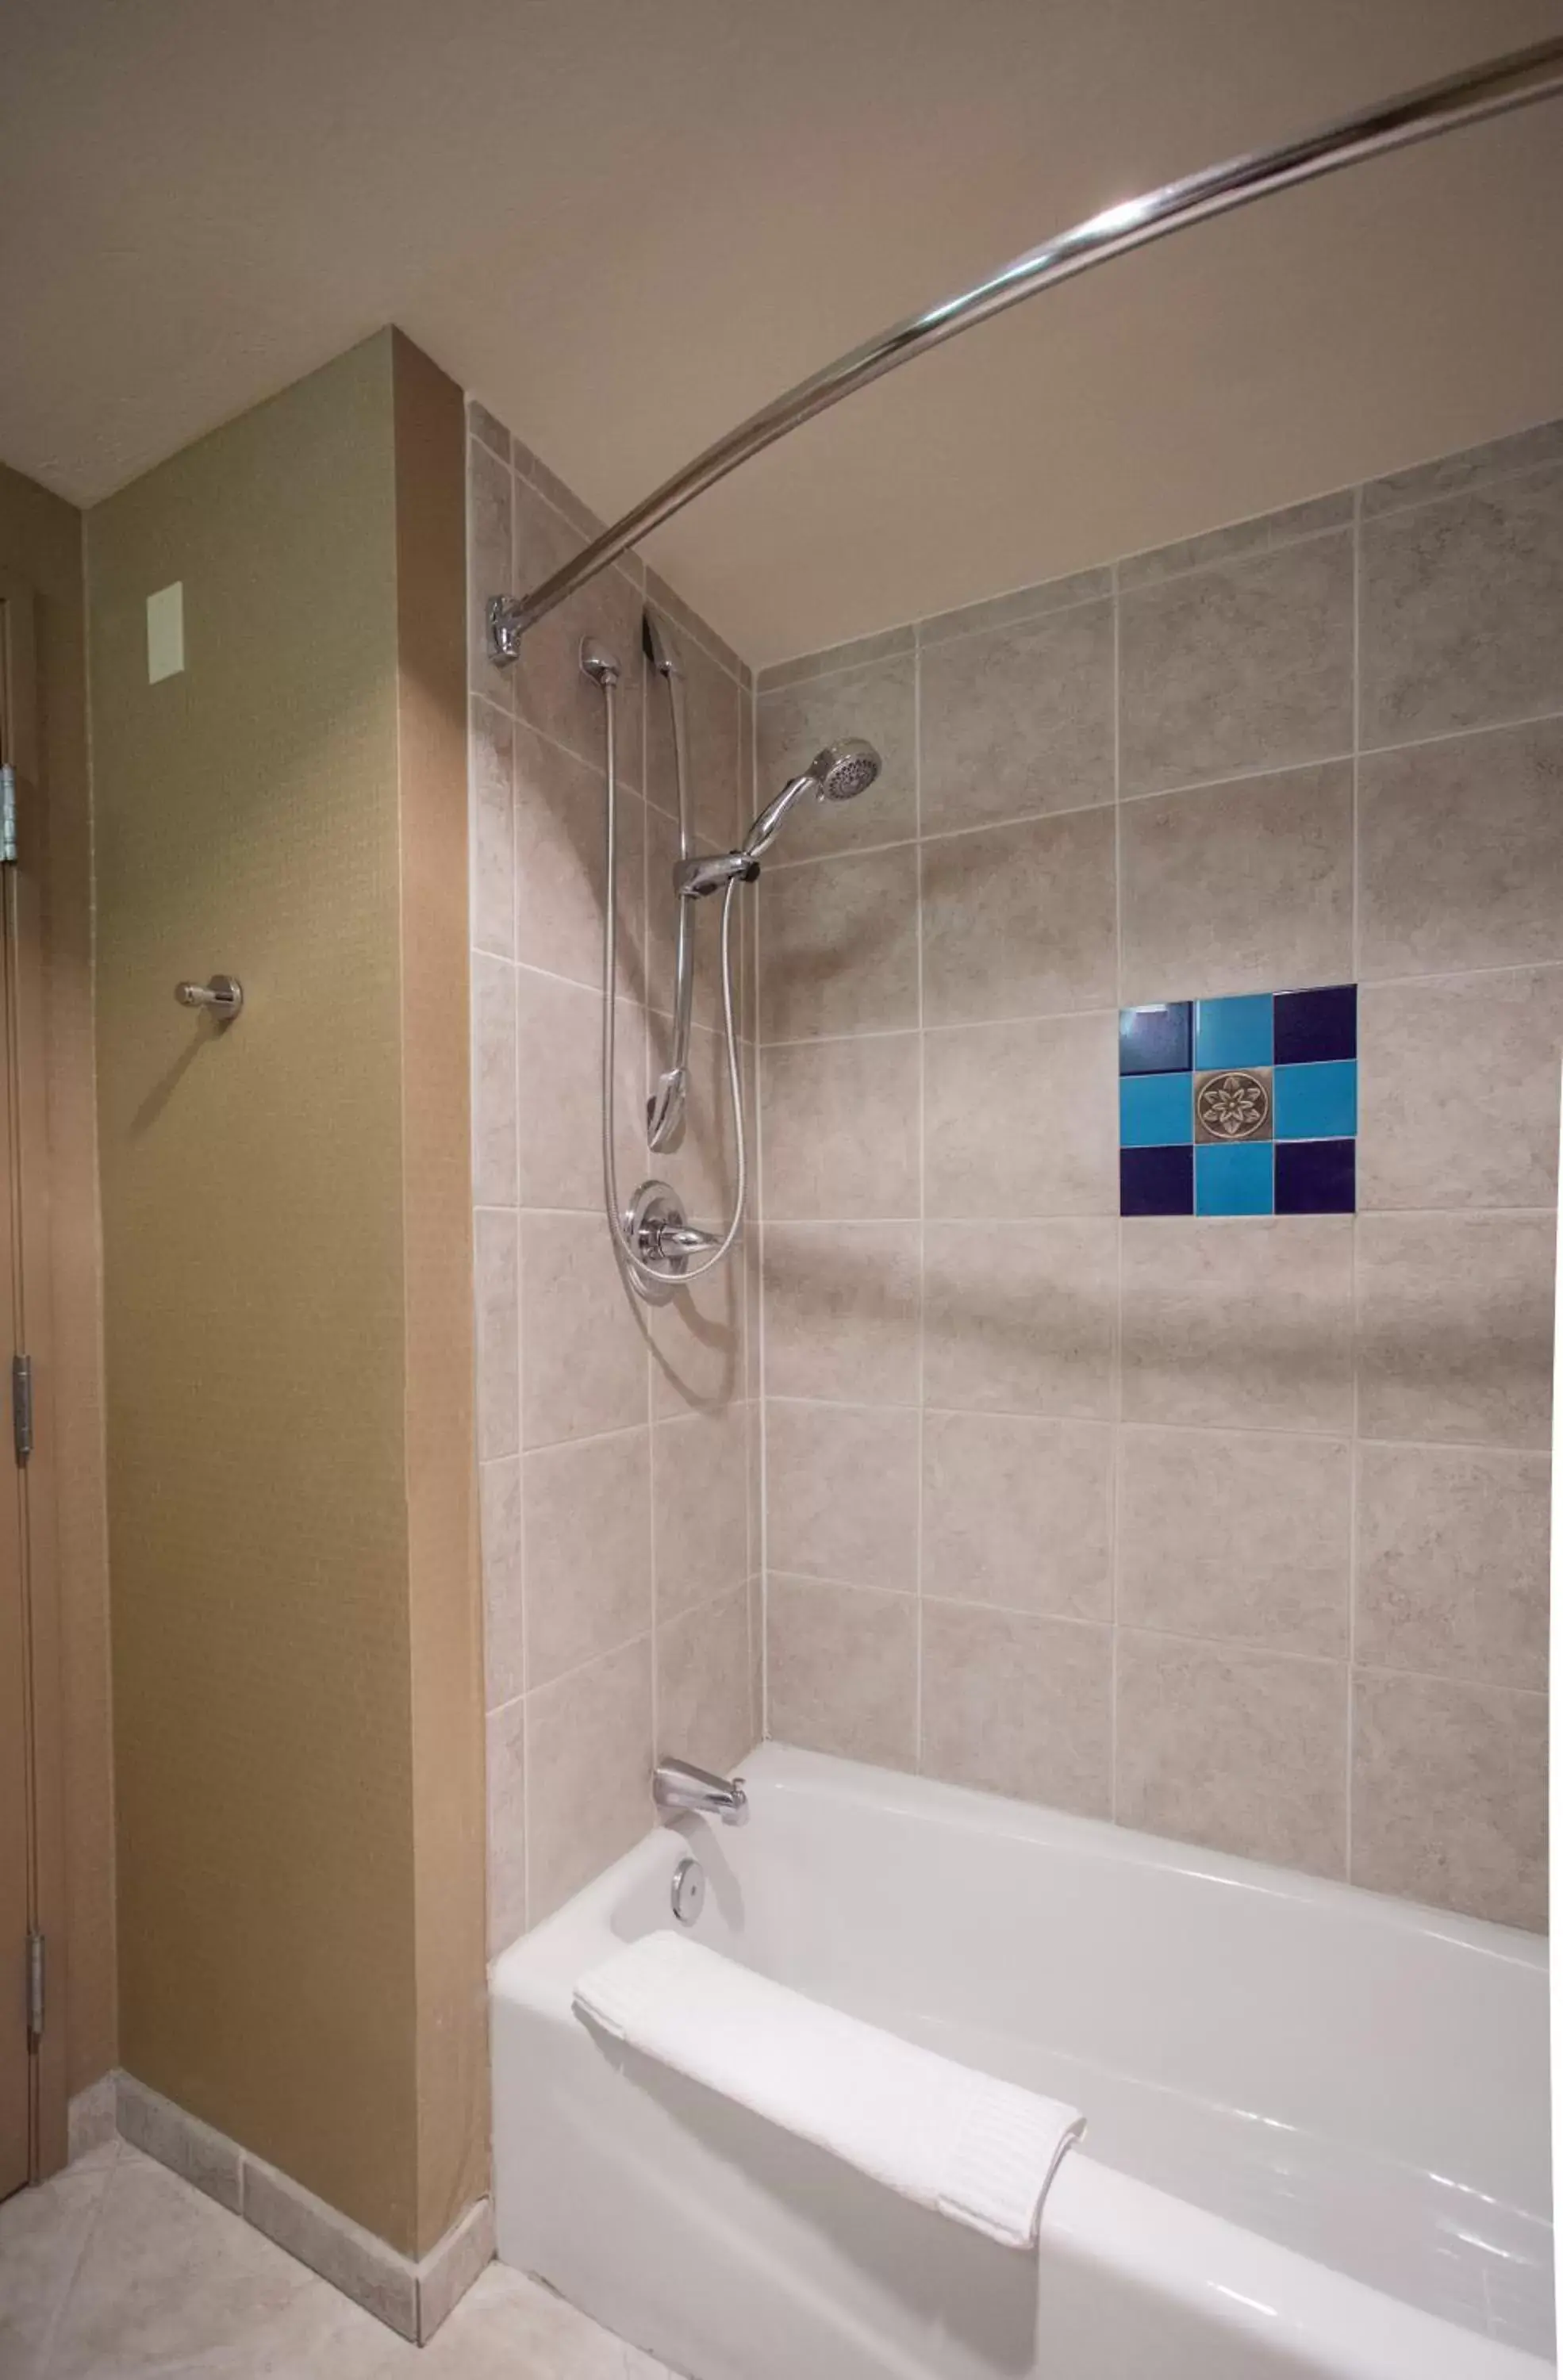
(1316, 1102)
(1155, 1110)
(1237, 1032)
(1235, 1179)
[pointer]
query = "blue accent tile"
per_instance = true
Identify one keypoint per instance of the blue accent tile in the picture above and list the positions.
(1156, 1040)
(1153, 1110)
(1316, 1102)
(1235, 1032)
(1311, 1027)
(1316, 1177)
(1235, 1178)
(1156, 1181)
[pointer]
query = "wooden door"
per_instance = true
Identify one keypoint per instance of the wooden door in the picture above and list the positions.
(32, 2053)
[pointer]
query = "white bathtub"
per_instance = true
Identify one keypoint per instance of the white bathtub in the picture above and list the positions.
(1318, 2137)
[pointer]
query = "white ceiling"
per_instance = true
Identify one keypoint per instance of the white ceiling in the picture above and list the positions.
(624, 224)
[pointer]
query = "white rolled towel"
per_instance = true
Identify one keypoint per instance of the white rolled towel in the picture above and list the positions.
(966, 2144)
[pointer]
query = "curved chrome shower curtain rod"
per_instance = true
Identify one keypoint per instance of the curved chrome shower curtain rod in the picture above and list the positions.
(1517, 79)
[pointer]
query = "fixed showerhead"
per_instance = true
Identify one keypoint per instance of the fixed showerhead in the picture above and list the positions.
(836, 774)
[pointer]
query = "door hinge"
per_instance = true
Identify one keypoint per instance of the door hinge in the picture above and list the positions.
(22, 1405)
(35, 1986)
(8, 815)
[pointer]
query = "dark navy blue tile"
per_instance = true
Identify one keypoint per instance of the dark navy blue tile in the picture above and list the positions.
(1316, 1177)
(1313, 1028)
(1156, 1040)
(1156, 1181)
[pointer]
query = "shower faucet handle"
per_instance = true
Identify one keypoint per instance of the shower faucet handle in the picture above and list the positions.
(223, 996)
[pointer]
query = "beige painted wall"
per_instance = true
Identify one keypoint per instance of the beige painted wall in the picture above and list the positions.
(1237, 1529)
(40, 544)
(616, 1442)
(286, 1221)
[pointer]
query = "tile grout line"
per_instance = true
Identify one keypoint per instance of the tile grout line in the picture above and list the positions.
(610, 1092)
(1115, 1491)
(763, 1299)
(920, 1455)
(1348, 1714)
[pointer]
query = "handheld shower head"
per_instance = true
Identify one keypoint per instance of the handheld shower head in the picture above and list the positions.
(836, 774)
(845, 769)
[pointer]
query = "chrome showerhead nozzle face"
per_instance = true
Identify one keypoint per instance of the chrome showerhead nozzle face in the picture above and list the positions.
(845, 769)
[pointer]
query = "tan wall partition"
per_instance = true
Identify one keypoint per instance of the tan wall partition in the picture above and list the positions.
(286, 1215)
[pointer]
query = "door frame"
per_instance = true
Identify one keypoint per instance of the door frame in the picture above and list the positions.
(23, 957)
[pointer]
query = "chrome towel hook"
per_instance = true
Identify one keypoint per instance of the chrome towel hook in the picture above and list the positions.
(221, 997)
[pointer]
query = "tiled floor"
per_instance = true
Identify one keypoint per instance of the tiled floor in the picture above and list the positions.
(117, 2270)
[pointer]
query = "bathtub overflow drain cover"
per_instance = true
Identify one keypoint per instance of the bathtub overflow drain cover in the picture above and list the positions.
(689, 1890)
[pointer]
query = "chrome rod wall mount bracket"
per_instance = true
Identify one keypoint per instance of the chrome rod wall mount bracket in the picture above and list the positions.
(1519, 78)
(221, 997)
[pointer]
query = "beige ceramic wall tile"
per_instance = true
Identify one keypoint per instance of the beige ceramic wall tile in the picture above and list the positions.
(1449, 1800)
(583, 1368)
(551, 690)
(1023, 1119)
(1244, 664)
(496, 1289)
(1459, 1084)
(841, 1669)
(1243, 1751)
(488, 564)
(840, 1492)
(833, 659)
(839, 1127)
(1021, 1318)
(559, 866)
(1020, 920)
(1239, 1534)
(697, 1342)
(1455, 1326)
(493, 1082)
(1461, 852)
(589, 1771)
(1017, 1513)
(841, 1311)
(712, 757)
(1021, 603)
(1462, 610)
(1449, 474)
(559, 1063)
(1239, 887)
(1260, 535)
(1018, 1706)
(1017, 719)
(1452, 1563)
(587, 1549)
(700, 1505)
(1238, 1323)
(837, 942)
(703, 1701)
(503, 1626)
(877, 702)
(492, 748)
(506, 1753)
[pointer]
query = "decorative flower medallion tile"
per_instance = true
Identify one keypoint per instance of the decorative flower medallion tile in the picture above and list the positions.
(1233, 1104)
(1242, 1106)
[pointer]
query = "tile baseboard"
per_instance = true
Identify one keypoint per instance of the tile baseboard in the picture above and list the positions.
(92, 2117)
(410, 2297)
